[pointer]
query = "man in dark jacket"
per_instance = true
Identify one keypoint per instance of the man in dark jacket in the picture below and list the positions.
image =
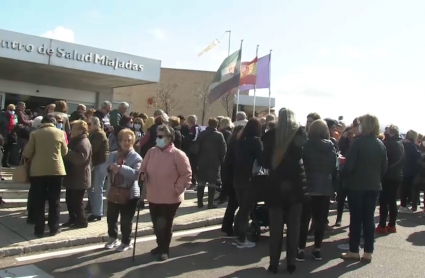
(212, 149)
(116, 114)
(103, 114)
(392, 181)
(78, 114)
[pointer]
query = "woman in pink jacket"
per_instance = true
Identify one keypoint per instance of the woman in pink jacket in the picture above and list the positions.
(166, 173)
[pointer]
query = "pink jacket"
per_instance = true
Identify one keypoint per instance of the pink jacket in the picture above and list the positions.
(168, 174)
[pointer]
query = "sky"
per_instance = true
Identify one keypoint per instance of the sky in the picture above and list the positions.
(334, 57)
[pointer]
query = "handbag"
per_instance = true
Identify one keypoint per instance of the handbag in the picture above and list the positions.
(21, 172)
(118, 195)
(259, 174)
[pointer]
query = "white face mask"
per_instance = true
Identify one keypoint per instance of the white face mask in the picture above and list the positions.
(423, 143)
(137, 126)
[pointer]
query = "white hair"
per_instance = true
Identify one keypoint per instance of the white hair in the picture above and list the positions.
(125, 104)
(37, 122)
(107, 103)
(241, 115)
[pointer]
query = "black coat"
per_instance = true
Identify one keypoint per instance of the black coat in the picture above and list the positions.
(395, 154)
(212, 149)
(366, 164)
(151, 142)
(246, 152)
(178, 137)
(412, 161)
(289, 171)
(227, 132)
(319, 158)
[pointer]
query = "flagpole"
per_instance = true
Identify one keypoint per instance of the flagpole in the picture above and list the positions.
(237, 96)
(270, 69)
(255, 85)
(228, 49)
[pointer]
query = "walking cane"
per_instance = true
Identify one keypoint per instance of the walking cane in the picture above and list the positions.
(138, 213)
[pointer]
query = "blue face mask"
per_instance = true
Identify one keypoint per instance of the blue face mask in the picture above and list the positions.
(11, 112)
(160, 142)
(59, 125)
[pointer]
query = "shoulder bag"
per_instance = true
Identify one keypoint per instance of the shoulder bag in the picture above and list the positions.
(21, 172)
(118, 195)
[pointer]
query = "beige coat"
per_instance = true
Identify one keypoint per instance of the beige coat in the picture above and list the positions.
(45, 150)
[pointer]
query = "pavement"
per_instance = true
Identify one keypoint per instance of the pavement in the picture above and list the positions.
(204, 254)
(17, 237)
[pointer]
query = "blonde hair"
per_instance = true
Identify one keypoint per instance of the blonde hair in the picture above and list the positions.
(90, 112)
(174, 121)
(81, 125)
(370, 125)
(226, 122)
(149, 122)
(318, 130)
(52, 105)
(285, 132)
(11, 107)
(412, 135)
(124, 132)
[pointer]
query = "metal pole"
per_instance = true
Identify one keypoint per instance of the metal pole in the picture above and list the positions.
(228, 49)
(255, 85)
(270, 73)
(237, 96)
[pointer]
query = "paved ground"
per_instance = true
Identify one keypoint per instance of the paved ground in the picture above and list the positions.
(207, 255)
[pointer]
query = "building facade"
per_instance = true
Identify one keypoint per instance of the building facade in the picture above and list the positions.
(179, 92)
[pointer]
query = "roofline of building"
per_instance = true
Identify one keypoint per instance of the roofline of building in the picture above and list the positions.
(188, 70)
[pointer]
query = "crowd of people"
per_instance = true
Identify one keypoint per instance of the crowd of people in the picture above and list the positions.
(298, 171)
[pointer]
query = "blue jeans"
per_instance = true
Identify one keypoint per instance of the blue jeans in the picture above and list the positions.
(362, 205)
(96, 191)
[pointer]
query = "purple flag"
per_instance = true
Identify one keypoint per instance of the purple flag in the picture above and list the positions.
(263, 75)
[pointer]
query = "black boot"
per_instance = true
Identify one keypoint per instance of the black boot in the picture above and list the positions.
(211, 193)
(200, 195)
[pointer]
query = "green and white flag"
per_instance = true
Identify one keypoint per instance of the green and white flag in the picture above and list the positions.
(227, 77)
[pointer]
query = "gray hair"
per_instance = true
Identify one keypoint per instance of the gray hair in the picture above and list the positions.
(286, 129)
(20, 103)
(241, 116)
(192, 119)
(158, 112)
(168, 131)
(106, 103)
(96, 122)
(270, 118)
(125, 104)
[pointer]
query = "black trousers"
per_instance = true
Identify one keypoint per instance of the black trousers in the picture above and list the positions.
(30, 203)
(416, 192)
(362, 213)
(388, 203)
(229, 215)
(406, 191)
(162, 216)
(342, 195)
(74, 202)
(7, 149)
(291, 215)
(45, 188)
(246, 197)
(127, 212)
(194, 165)
(315, 208)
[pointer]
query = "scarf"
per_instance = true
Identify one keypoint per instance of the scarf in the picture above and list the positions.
(11, 124)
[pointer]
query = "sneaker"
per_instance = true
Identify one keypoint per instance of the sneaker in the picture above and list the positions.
(300, 256)
(404, 210)
(367, 257)
(350, 256)
(391, 230)
(245, 244)
(381, 231)
(338, 223)
(317, 255)
(124, 247)
(163, 257)
(112, 243)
